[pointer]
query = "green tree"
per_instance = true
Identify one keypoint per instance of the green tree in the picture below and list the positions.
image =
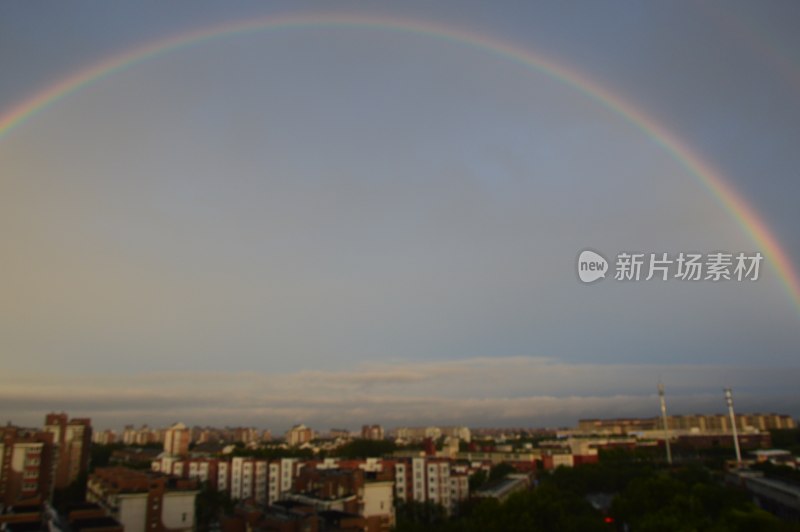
(501, 470)
(210, 505)
(477, 480)
(362, 448)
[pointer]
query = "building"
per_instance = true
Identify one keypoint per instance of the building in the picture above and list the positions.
(503, 488)
(696, 423)
(283, 516)
(141, 436)
(135, 457)
(84, 517)
(421, 433)
(372, 432)
(777, 496)
(144, 501)
(339, 434)
(262, 481)
(176, 440)
(353, 492)
(775, 456)
(245, 434)
(72, 439)
(426, 479)
(104, 437)
(26, 466)
(21, 518)
(298, 435)
(364, 487)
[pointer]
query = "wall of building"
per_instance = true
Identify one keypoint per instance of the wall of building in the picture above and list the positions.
(132, 512)
(177, 511)
(378, 500)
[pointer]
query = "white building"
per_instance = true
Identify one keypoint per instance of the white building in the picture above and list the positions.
(142, 501)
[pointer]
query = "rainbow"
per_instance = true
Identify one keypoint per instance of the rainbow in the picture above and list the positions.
(710, 178)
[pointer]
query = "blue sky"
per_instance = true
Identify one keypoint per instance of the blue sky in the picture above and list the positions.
(387, 217)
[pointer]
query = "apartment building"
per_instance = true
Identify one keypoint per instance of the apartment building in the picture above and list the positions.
(104, 437)
(372, 432)
(421, 433)
(144, 501)
(263, 481)
(72, 439)
(298, 435)
(142, 436)
(26, 466)
(176, 440)
(352, 491)
(426, 479)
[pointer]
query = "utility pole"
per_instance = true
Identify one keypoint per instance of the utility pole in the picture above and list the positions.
(664, 420)
(729, 400)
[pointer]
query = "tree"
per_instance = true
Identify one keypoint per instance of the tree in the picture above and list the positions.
(501, 470)
(210, 505)
(477, 479)
(362, 448)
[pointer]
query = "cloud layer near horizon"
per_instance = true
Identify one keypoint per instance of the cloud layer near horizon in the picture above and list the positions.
(511, 391)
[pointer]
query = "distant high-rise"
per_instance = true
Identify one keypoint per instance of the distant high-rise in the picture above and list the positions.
(372, 432)
(72, 438)
(299, 434)
(176, 440)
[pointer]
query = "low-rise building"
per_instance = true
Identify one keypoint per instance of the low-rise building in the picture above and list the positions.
(503, 488)
(144, 501)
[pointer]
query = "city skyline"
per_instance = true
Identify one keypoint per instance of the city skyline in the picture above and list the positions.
(328, 212)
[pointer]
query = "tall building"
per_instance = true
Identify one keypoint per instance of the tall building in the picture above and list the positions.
(372, 432)
(73, 439)
(299, 434)
(176, 440)
(104, 437)
(26, 466)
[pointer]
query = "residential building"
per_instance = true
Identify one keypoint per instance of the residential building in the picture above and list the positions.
(298, 435)
(350, 491)
(372, 432)
(176, 440)
(427, 479)
(104, 437)
(421, 433)
(144, 501)
(26, 466)
(72, 439)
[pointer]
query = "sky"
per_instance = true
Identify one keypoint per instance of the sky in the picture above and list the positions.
(341, 213)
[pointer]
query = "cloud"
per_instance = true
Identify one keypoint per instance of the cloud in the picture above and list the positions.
(518, 391)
